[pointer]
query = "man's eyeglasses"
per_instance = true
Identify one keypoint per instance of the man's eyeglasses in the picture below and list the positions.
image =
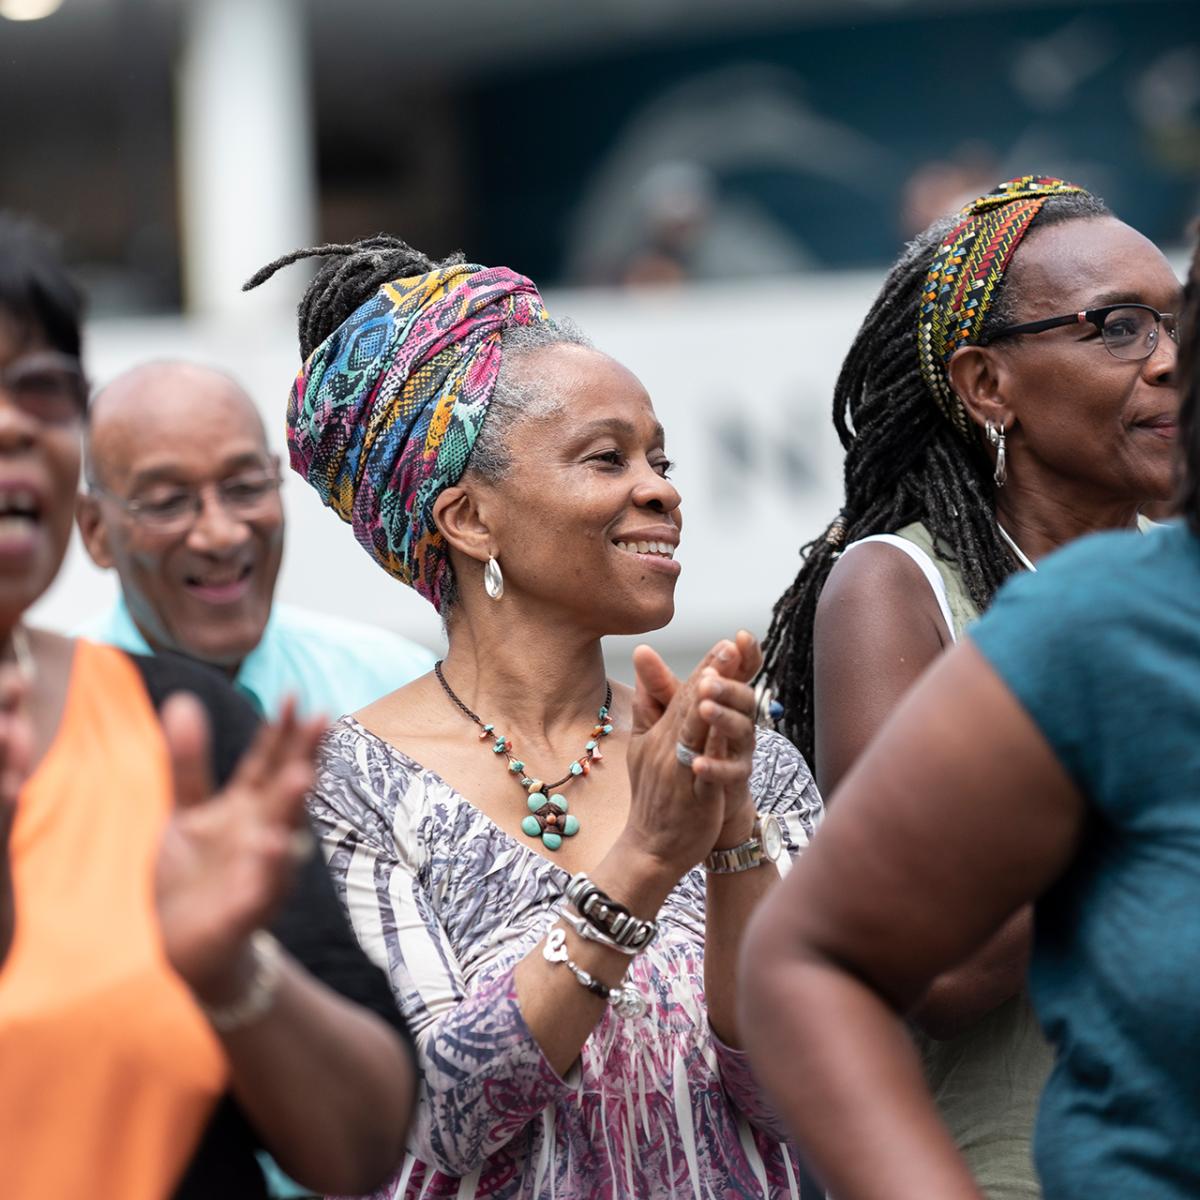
(49, 386)
(174, 510)
(1130, 331)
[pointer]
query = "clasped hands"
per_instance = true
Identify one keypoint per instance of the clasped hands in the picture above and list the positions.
(678, 813)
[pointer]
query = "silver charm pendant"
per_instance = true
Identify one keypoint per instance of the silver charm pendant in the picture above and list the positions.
(555, 949)
(629, 1003)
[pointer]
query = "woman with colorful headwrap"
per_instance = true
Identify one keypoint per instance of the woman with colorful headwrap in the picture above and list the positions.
(519, 841)
(1011, 389)
(1052, 757)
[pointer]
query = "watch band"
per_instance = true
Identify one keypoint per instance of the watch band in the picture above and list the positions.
(745, 857)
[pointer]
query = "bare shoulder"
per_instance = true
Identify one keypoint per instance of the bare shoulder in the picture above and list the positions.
(408, 713)
(878, 589)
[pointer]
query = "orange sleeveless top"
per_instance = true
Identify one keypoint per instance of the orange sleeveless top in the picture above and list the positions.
(108, 1070)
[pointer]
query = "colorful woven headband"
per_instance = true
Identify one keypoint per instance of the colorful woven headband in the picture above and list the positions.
(963, 276)
(384, 413)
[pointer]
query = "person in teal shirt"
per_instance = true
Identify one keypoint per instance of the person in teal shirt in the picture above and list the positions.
(183, 502)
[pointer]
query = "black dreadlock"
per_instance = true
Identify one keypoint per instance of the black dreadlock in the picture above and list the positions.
(356, 270)
(904, 463)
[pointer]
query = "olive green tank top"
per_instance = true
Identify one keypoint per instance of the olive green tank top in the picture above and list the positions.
(987, 1081)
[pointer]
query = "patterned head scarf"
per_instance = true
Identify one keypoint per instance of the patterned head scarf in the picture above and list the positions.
(383, 415)
(963, 276)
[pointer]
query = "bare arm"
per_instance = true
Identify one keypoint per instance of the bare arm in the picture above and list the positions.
(674, 821)
(942, 848)
(868, 654)
(325, 1082)
(334, 1116)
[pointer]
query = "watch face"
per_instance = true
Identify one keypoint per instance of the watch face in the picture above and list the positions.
(772, 837)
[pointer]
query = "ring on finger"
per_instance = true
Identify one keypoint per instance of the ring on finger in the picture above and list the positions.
(685, 754)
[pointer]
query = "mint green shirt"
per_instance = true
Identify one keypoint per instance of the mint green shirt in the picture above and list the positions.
(330, 665)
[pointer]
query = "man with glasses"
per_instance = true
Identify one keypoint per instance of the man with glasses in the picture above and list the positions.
(182, 500)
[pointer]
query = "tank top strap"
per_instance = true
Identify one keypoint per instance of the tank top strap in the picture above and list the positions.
(928, 568)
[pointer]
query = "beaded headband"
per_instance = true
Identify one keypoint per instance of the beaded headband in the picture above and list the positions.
(964, 274)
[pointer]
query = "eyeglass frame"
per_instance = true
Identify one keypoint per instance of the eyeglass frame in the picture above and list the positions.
(59, 361)
(137, 509)
(1097, 317)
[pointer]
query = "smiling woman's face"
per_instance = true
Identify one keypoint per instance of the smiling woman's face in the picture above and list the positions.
(39, 467)
(1101, 423)
(586, 522)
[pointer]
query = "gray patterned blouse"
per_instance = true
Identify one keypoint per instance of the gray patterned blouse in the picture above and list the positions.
(448, 903)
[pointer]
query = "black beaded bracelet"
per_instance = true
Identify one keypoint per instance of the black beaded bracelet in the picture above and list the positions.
(608, 916)
(625, 999)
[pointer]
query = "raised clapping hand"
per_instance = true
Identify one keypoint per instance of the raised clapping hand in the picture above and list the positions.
(678, 813)
(228, 859)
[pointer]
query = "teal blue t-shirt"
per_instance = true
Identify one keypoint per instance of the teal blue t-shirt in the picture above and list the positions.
(1102, 648)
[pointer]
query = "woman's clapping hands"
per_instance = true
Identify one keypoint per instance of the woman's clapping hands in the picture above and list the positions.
(228, 859)
(681, 813)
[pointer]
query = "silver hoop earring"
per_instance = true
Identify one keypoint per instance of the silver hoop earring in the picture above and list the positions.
(493, 578)
(996, 437)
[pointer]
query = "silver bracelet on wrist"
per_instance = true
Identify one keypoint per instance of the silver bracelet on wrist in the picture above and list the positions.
(259, 994)
(590, 933)
(607, 916)
(626, 1001)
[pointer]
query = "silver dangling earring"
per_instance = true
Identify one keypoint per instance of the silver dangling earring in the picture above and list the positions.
(493, 578)
(996, 437)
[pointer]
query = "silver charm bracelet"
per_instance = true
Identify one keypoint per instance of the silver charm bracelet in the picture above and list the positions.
(626, 1001)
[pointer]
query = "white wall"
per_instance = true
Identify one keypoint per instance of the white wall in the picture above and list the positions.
(741, 376)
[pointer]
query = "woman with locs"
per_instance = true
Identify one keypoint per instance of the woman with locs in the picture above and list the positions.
(1011, 389)
(518, 838)
(1052, 758)
(178, 985)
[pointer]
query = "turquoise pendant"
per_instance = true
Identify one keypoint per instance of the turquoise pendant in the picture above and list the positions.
(548, 819)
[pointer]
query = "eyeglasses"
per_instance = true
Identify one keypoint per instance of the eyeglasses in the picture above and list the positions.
(1130, 331)
(174, 510)
(49, 386)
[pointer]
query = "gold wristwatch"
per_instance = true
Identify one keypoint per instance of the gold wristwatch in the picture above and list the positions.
(765, 845)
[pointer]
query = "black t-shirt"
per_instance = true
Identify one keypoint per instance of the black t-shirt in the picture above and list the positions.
(311, 926)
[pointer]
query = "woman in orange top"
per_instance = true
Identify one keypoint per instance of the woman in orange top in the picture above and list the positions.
(154, 1035)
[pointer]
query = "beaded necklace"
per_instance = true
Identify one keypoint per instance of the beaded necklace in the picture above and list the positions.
(548, 818)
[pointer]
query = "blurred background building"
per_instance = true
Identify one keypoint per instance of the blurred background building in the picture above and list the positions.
(712, 187)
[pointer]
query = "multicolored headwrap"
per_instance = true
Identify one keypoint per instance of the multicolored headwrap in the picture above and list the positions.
(384, 413)
(964, 273)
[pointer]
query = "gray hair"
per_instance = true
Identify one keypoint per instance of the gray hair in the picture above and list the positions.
(524, 390)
